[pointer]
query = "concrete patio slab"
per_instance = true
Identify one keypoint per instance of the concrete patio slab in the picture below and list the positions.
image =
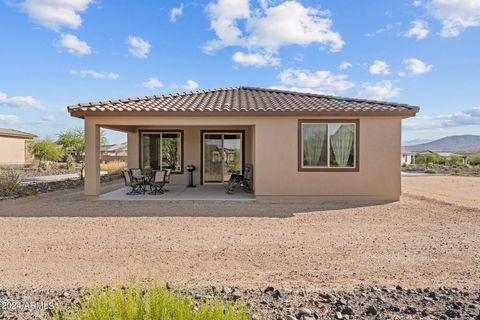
(182, 193)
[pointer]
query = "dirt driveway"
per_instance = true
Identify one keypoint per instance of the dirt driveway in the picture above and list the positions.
(59, 240)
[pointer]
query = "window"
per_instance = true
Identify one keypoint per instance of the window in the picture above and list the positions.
(328, 145)
(162, 150)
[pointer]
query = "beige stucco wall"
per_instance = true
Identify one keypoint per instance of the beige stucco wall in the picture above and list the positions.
(271, 145)
(12, 151)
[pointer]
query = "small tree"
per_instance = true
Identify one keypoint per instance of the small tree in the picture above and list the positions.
(74, 141)
(428, 158)
(46, 150)
(474, 160)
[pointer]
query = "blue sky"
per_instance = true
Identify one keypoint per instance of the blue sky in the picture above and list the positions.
(60, 52)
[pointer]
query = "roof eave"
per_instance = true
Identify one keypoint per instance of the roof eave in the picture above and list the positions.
(403, 113)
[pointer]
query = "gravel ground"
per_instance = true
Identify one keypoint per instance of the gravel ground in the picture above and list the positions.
(59, 241)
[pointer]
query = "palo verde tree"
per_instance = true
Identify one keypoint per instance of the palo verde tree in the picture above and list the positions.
(46, 150)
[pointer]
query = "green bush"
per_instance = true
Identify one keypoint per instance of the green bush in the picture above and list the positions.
(429, 158)
(149, 302)
(474, 160)
(103, 166)
(46, 150)
(430, 171)
(9, 182)
(70, 162)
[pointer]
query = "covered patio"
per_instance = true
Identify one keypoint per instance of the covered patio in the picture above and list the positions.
(183, 193)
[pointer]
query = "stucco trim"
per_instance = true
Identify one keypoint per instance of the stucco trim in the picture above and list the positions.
(357, 145)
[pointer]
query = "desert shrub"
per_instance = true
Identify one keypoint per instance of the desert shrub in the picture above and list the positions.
(430, 171)
(428, 158)
(455, 160)
(457, 172)
(476, 170)
(474, 160)
(70, 162)
(9, 182)
(149, 302)
(116, 167)
(103, 166)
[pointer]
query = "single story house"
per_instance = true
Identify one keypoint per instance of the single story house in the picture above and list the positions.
(407, 157)
(301, 145)
(15, 147)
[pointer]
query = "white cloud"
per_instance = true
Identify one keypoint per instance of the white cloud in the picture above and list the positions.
(74, 45)
(138, 47)
(176, 12)
(379, 67)
(269, 27)
(255, 59)
(95, 74)
(344, 65)
(455, 15)
(419, 30)
(190, 85)
(55, 14)
(402, 74)
(20, 101)
(9, 119)
(47, 120)
(379, 91)
(457, 119)
(153, 83)
(318, 81)
(417, 66)
(417, 3)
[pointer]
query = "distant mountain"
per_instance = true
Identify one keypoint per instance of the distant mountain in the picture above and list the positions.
(463, 143)
(415, 142)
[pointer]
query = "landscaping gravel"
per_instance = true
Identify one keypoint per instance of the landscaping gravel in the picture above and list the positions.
(363, 302)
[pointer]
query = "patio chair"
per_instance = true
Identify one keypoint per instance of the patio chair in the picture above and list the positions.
(244, 180)
(167, 178)
(132, 183)
(136, 173)
(158, 182)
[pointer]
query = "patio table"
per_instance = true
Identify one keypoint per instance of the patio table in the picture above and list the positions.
(144, 181)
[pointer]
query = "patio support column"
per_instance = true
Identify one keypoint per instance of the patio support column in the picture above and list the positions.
(92, 158)
(133, 147)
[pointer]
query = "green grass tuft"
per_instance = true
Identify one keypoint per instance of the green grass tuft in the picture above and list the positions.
(153, 302)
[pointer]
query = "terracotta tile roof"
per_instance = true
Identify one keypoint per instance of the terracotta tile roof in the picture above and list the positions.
(16, 133)
(242, 100)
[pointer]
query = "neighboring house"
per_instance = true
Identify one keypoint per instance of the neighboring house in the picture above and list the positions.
(301, 145)
(115, 149)
(407, 157)
(15, 147)
(114, 152)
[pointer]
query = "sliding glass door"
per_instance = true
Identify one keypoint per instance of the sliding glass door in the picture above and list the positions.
(222, 156)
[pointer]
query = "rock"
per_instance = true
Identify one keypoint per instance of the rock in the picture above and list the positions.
(304, 311)
(371, 311)
(308, 318)
(338, 315)
(276, 294)
(268, 289)
(410, 310)
(451, 313)
(290, 317)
